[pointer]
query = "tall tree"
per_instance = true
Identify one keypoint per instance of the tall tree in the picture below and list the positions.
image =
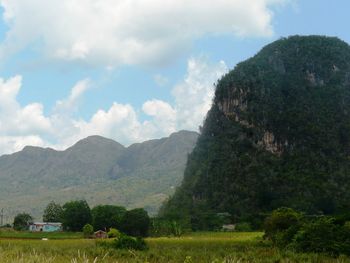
(75, 215)
(107, 216)
(135, 222)
(53, 212)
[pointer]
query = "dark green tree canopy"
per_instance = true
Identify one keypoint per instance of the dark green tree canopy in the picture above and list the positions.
(75, 215)
(277, 135)
(107, 216)
(22, 221)
(53, 212)
(135, 222)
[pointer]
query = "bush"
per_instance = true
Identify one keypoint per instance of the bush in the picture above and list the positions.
(112, 233)
(282, 225)
(128, 242)
(323, 235)
(88, 230)
(287, 228)
(243, 227)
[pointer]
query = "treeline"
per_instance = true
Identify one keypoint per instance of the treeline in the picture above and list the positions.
(74, 215)
(290, 229)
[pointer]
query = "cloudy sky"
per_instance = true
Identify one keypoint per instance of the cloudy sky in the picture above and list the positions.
(132, 70)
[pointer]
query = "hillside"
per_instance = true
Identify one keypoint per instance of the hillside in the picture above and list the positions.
(97, 169)
(278, 134)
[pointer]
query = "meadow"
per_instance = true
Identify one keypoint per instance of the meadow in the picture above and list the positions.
(191, 248)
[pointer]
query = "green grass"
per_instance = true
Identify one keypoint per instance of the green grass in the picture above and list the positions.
(39, 235)
(192, 248)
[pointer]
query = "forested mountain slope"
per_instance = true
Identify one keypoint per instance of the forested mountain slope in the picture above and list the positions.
(278, 134)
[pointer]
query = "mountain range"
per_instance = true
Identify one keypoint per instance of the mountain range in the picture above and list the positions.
(97, 169)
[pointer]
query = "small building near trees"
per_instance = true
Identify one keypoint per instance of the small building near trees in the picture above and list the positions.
(100, 234)
(45, 227)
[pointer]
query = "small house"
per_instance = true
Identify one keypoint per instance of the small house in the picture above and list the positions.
(229, 227)
(45, 227)
(100, 234)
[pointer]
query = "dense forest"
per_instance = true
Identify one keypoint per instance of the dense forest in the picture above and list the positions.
(278, 134)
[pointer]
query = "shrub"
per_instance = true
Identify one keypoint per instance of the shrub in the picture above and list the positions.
(243, 227)
(163, 227)
(282, 225)
(128, 242)
(112, 233)
(323, 235)
(88, 230)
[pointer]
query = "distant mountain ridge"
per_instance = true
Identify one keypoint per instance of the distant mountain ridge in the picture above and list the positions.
(97, 169)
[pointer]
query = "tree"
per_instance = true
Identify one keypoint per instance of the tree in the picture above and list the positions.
(75, 215)
(107, 216)
(22, 221)
(113, 233)
(281, 226)
(88, 230)
(135, 222)
(53, 212)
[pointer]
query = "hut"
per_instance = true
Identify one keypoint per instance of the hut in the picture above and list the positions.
(100, 234)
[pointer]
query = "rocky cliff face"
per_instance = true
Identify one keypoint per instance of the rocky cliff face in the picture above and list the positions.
(278, 134)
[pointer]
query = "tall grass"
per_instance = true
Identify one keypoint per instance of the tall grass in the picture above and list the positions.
(197, 247)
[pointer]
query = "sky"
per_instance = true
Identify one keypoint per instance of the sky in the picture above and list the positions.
(132, 70)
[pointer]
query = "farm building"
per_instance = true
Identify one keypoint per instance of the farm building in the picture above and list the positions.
(100, 234)
(45, 227)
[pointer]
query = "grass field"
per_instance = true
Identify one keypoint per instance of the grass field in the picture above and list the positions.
(39, 235)
(197, 247)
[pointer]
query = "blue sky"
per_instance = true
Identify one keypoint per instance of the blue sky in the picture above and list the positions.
(132, 70)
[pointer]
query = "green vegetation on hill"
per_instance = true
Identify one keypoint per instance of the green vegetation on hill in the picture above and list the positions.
(96, 169)
(278, 134)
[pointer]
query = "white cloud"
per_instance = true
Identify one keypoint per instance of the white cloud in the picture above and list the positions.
(9, 144)
(160, 80)
(193, 97)
(14, 118)
(163, 120)
(109, 32)
(71, 103)
(27, 125)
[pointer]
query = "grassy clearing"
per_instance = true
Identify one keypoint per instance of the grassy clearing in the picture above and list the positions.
(197, 247)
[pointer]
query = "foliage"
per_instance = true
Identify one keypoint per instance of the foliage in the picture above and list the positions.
(113, 233)
(323, 235)
(135, 222)
(282, 225)
(276, 135)
(160, 227)
(243, 227)
(107, 216)
(88, 230)
(22, 221)
(128, 242)
(75, 215)
(53, 212)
